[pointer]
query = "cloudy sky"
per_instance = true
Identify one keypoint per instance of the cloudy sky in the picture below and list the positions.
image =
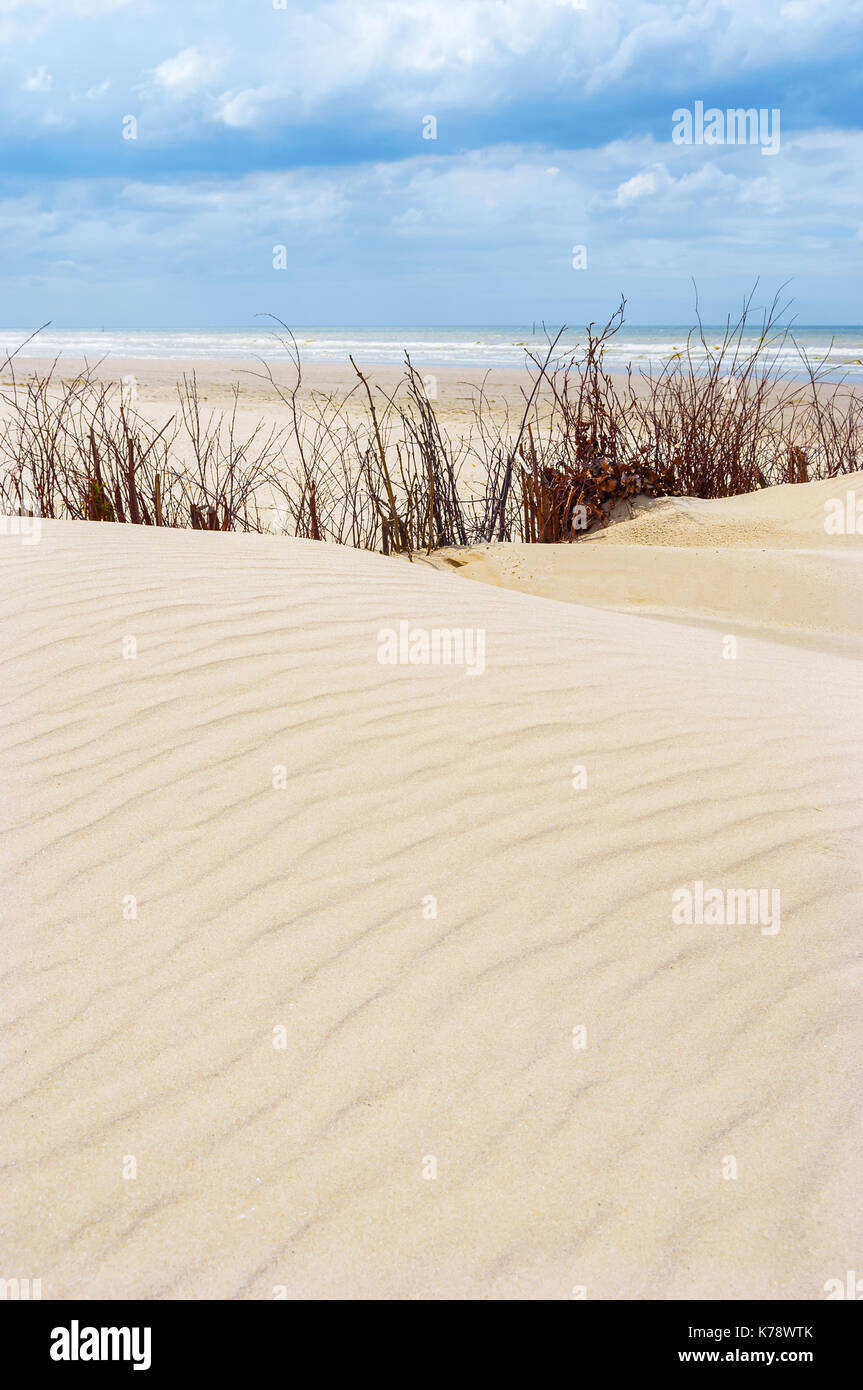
(304, 124)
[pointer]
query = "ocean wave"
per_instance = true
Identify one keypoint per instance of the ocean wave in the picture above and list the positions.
(642, 348)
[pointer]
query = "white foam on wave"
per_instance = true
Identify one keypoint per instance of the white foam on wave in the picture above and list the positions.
(473, 346)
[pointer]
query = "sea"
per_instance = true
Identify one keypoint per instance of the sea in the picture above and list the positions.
(837, 351)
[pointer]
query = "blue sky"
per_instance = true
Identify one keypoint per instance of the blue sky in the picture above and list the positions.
(302, 125)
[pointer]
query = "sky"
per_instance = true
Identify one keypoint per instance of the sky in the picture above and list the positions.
(425, 161)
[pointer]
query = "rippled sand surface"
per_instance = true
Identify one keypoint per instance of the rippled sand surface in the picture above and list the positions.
(340, 979)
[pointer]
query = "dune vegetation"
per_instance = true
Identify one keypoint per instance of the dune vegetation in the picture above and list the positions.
(378, 470)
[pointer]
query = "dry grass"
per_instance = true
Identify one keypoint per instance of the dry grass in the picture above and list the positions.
(715, 420)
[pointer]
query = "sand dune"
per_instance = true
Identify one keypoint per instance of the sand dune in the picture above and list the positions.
(428, 904)
(762, 562)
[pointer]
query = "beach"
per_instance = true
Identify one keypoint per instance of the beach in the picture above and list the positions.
(431, 594)
(152, 383)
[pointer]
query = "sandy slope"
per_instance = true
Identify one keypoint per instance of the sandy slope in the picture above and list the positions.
(411, 1036)
(762, 562)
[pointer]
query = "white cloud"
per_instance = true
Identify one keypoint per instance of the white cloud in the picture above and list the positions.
(186, 74)
(39, 81)
(406, 221)
(384, 64)
(244, 108)
(639, 186)
(299, 197)
(700, 185)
